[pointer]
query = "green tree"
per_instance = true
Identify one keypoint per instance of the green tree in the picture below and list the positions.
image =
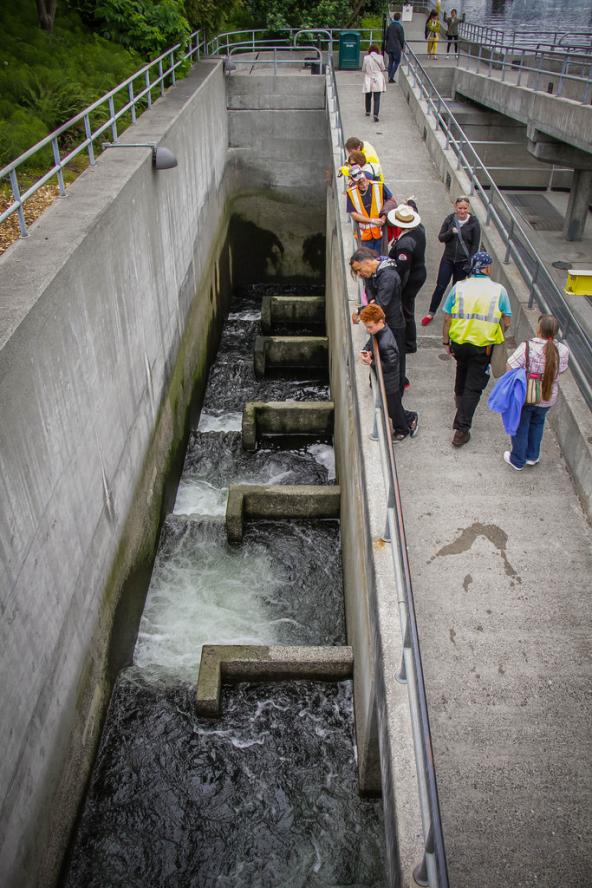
(149, 26)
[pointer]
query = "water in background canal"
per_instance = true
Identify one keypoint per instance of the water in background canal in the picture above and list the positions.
(533, 15)
(266, 796)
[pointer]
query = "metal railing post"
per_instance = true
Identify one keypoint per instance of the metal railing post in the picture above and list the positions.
(112, 120)
(130, 92)
(88, 134)
(172, 64)
(533, 285)
(509, 244)
(160, 77)
(17, 197)
(58, 162)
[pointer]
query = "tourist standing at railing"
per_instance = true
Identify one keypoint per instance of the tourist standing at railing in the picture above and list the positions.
(374, 80)
(365, 201)
(543, 359)
(404, 422)
(476, 314)
(431, 32)
(408, 251)
(368, 150)
(383, 286)
(452, 22)
(393, 45)
(461, 235)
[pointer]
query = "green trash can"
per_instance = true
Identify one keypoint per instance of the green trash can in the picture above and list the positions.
(349, 51)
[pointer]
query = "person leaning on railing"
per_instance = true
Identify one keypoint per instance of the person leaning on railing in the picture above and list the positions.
(365, 201)
(404, 422)
(369, 151)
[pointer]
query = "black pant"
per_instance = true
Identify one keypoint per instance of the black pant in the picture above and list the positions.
(446, 270)
(368, 97)
(400, 335)
(472, 375)
(410, 291)
(455, 41)
(400, 418)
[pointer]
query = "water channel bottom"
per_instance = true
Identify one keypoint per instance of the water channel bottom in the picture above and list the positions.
(266, 796)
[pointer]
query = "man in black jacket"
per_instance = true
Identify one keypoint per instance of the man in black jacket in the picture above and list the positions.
(405, 422)
(461, 236)
(408, 252)
(393, 44)
(383, 286)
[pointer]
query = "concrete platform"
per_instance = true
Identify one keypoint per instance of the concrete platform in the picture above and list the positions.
(501, 565)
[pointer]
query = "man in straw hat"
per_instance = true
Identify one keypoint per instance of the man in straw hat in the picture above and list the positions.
(408, 251)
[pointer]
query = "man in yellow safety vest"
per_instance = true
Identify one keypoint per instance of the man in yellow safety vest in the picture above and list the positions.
(476, 314)
(365, 200)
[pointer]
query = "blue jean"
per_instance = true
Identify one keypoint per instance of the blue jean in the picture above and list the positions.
(372, 245)
(446, 270)
(394, 62)
(526, 443)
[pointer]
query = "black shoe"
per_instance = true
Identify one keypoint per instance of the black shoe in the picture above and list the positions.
(367, 114)
(375, 119)
(414, 427)
(460, 438)
(391, 81)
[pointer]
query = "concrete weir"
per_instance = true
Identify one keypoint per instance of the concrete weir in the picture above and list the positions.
(278, 419)
(292, 311)
(284, 353)
(234, 663)
(260, 501)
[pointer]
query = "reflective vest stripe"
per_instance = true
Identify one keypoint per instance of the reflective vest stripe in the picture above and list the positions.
(490, 317)
(372, 232)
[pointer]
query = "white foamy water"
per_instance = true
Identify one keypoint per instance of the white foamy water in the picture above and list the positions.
(226, 422)
(244, 315)
(324, 454)
(199, 498)
(206, 594)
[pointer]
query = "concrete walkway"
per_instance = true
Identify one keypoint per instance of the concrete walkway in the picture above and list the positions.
(501, 565)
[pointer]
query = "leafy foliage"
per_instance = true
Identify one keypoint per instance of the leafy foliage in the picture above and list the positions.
(275, 14)
(46, 78)
(148, 26)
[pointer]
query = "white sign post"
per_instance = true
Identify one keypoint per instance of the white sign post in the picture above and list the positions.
(407, 15)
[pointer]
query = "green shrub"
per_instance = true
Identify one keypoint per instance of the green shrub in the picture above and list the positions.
(18, 133)
(147, 26)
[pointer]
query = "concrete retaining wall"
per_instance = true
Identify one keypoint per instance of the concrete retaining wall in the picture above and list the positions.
(109, 311)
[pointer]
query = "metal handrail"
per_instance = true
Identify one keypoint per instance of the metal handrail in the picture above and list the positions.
(543, 290)
(237, 47)
(504, 58)
(195, 47)
(432, 870)
(476, 33)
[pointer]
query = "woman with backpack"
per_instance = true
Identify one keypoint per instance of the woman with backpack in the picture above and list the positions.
(543, 359)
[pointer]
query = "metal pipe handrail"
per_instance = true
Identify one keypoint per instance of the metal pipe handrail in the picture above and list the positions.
(432, 869)
(543, 289)
(478, 33)
(87, 144)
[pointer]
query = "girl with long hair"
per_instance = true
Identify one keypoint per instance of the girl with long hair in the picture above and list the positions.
(545, 358)
(431, 32)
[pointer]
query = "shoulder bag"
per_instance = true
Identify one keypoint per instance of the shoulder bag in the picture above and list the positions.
(533, 382)
(467, 265)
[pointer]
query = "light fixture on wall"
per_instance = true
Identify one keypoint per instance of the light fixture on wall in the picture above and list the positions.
(162, 158)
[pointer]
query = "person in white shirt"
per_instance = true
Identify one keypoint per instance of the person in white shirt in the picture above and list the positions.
(545, 358)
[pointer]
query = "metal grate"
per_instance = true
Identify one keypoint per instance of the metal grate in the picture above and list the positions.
(538, 211)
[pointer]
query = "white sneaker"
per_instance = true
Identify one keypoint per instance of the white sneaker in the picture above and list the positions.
(533, 462)
(507, 459)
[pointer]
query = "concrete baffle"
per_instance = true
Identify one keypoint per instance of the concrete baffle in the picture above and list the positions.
(278, 501)
(279, 418)
(283, 352)
(295, 311)
(236, 662)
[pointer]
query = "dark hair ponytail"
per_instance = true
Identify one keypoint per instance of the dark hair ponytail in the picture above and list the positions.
(548, 327)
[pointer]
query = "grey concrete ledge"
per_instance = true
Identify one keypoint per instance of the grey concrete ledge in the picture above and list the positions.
(296, 310)
(289, 351)
(236, 662)
(261, 418)
(278, 501)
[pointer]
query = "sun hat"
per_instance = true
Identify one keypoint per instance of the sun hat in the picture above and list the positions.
(404, 216)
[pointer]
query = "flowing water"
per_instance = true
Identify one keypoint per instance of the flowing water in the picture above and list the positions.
(266, 795)
(528, 15)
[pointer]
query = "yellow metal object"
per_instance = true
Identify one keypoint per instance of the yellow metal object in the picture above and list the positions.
(579, 282)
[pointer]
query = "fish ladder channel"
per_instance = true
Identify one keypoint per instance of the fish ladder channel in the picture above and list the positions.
(255, 784)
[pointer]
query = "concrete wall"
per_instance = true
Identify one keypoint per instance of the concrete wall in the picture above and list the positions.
(278, 153)
(109, 311)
